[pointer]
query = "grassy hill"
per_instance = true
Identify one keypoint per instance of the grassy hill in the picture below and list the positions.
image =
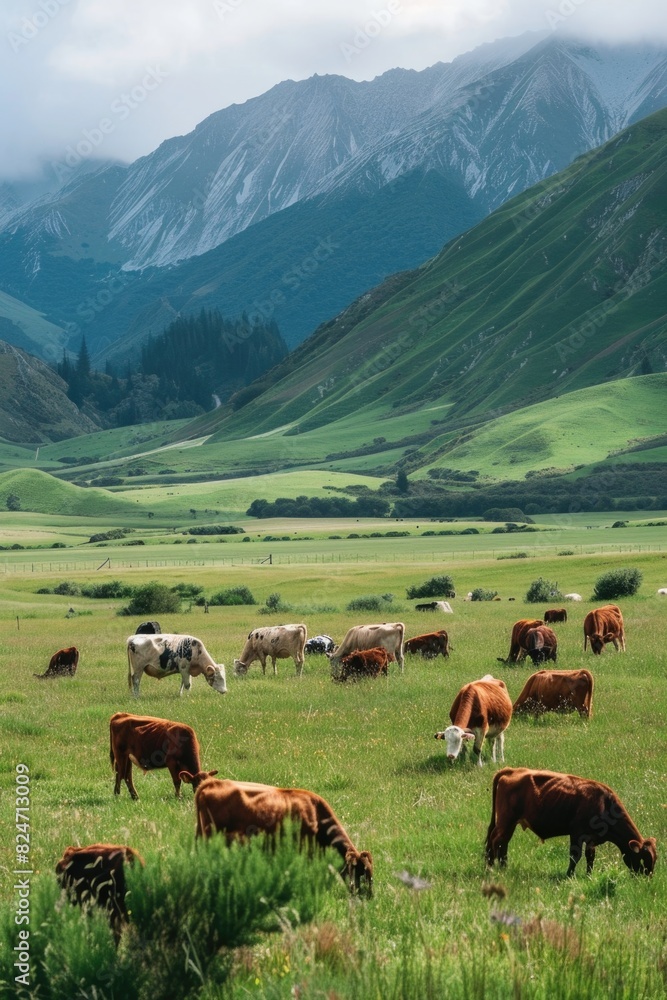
(41, 493)
(560, 289)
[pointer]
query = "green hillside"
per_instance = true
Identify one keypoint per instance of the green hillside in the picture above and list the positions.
(41, 493)
(29, 329)
(562, 288)
(578, 428)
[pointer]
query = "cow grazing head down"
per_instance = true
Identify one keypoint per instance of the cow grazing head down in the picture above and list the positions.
(359, 865)
(454, 738)
(216, 678)
(598, 641)
(641, 856)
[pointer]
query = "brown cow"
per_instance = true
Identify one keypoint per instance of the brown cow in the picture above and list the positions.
(242, 808)
(150, 744)
(552, 615)
(557, 691)
(481, 710)
(541, 644)
(363, 663)
(62, 664)
(559, 805)
(95, 875)
(604, 625)
(517, 642)
(430, 645)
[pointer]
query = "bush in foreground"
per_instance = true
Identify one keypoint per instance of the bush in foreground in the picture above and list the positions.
(543, 590)
(371, 602)
(232, 596)
(480, 594)
(186, 914)
(437, 586)
(153, 599)
(617, 583)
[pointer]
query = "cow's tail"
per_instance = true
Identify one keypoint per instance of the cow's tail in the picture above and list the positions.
(487, 849)
(588, 701)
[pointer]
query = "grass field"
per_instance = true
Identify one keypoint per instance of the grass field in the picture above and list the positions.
(369, 749)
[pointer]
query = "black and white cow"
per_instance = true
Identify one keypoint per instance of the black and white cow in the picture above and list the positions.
(162, 655)
(320, 644)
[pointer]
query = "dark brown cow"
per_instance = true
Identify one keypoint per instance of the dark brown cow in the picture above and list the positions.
(481, 710)
(552, 615)
(151, 744)
(517, 642)
(557, 691)
(148, 628)
(541, 644)
(363, 663)
(62, 664)
(95, 875)
(430, 645)
(560, 805)
(242, 808)
(604, 625)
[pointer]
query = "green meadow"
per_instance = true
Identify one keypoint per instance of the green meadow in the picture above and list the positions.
(368, 748)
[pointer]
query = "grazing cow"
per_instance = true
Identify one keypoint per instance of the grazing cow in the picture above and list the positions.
(604, 625)
(162, 655)
(518, 641)
(481, 710)
(150, 744)
(557, 691)
(242, 808)
(560, 805)
(444, 606)
(319, 644)
(430, 645)
(389, 636)
(572, 597)
(277, 642)
(552, 615)
(96, 875)
(62, 664)
(363, 663)
(148, 628)
(541, 644)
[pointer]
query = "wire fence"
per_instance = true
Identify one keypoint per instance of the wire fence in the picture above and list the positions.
(22, 568)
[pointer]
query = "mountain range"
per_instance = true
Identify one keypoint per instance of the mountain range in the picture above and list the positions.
(296, 202)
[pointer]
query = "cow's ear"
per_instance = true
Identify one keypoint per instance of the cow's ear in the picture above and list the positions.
(186, 777)
(209, 671)
(608, 637)
(468, 736)
(635, 846)
(212, 774)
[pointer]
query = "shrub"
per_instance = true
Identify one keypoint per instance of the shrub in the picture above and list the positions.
(480, 594)
(232, 596)
(107, 590)
(543, 590)
(152, 599)
(371, 602)
(274, 604)
(565, 552)
(188, 591)
(617, 583)
(216, 529)
(620, 524)
(67, 588)
(470, 531)
(514, 555)
(109, 536)
(437, 586)
(506, 514)
(58, 545)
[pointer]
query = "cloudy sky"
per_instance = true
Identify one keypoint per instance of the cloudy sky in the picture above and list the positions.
(151, 69)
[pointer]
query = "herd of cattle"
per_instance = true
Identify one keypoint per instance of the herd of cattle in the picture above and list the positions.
(549, 803)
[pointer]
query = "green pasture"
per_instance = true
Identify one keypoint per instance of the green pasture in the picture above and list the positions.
(369, 749)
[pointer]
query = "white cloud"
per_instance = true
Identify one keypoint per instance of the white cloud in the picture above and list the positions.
(67, 61)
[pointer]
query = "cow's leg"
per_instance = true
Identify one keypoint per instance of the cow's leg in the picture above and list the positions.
(480, 736)
(119, 768)
(590, 857)
(262, 660)
(128, 779)
(576, 847)
(186, 681)
(400, 658)
(298, 663)
(622, 638)
(174, 768)
(496, 844)
(499, 745)
(136, 677)
(273, 663)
